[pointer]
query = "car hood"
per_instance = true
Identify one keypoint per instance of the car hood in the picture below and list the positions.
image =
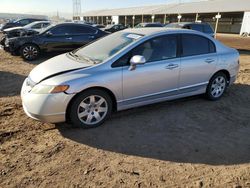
(55, 66)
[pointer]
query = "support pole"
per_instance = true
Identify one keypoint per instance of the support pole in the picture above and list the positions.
(218, 16)
(133, 21)
(142, 19)
(153, 18)
(165, 18)
(196, 17)
(102, 20)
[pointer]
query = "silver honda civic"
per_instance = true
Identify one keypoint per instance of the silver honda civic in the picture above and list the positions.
(127, 69)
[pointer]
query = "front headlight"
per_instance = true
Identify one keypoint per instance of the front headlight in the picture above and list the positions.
(46, 89)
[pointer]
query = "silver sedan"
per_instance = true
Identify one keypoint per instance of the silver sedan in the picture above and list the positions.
(127, 69)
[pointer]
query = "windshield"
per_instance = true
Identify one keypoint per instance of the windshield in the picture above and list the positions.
(106, 47)
(44, 30)
(173, 25)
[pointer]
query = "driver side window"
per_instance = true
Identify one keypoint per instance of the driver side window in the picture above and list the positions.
(156, 49)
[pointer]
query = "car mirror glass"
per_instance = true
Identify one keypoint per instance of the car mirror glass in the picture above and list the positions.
(136, 60)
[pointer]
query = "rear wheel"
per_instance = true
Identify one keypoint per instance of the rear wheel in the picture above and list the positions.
(29, 52)
(217, 86)
(90, 109)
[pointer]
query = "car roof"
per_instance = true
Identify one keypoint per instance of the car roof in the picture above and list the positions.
(157, 30)
(72, 23)
(187, 23)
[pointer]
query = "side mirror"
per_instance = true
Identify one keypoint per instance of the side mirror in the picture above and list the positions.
(136, 60)
(48, 34)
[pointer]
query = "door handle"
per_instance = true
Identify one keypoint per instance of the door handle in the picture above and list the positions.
(172, 66)
(69, 38)
(91, 37)
(209, 60)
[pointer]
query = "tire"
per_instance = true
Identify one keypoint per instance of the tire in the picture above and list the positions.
(2, 42)
(29, 52)
(217, 86)
(90, 109)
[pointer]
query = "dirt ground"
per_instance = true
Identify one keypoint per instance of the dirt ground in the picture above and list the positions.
(190, 142)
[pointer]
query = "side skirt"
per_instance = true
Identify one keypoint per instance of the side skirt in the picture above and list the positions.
(160, 97)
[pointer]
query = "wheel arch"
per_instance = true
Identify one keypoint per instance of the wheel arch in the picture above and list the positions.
(108, 91)
(226, 72)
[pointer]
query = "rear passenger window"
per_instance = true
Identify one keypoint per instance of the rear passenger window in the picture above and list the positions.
(196, 45)
(208, 29)
(197, 27)
(77, 29)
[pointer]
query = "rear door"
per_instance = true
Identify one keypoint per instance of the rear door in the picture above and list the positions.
(82, 35)
(198, 62)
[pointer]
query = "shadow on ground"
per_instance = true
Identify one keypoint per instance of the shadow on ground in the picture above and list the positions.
(10, 84)
(191, 130)
(44, 57)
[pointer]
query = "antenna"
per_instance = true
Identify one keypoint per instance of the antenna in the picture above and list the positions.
(76, 9)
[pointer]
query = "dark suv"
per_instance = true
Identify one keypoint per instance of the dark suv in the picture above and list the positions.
(20, 22)
(61, 37)
(197, 26)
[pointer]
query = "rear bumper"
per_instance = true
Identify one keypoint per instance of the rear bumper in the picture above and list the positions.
(232, 80)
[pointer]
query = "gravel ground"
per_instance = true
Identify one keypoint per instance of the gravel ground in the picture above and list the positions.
(190, 142)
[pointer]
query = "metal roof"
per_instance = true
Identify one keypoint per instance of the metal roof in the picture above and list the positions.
(210, 6)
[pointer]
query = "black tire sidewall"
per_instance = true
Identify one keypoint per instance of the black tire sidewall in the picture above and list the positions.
(33, 45)
(209, 87)
(73, 108)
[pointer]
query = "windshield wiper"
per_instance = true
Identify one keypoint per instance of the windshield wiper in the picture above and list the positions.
(81, 57)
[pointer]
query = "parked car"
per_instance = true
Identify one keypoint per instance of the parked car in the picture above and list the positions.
(114, 28)
(127, 69)
(61, 37)
(140, 25)
(30, 29)
(20, 22)
(197, 26)
(100, 26)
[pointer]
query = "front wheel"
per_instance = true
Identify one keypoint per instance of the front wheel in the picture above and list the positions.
(90, 109)
(29, 52)
(217, 86)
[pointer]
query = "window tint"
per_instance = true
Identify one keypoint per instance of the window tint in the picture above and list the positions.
(60, 30)
(196, 45)
(24, 22)
(156, 49)
(37, 26)
(208, 29)
(197, 27)
(45, 25)
(153, 25)
(77, 29)
(72, 30)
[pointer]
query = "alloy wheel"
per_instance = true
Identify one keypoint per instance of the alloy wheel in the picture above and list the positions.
(218, 86)
(30, 52)
(92, 110)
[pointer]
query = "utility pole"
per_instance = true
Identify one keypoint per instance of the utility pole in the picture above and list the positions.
(77, 9)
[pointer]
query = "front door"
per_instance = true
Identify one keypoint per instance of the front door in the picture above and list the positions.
(158, 77)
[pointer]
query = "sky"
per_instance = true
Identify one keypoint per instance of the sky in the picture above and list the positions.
(66, 6)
